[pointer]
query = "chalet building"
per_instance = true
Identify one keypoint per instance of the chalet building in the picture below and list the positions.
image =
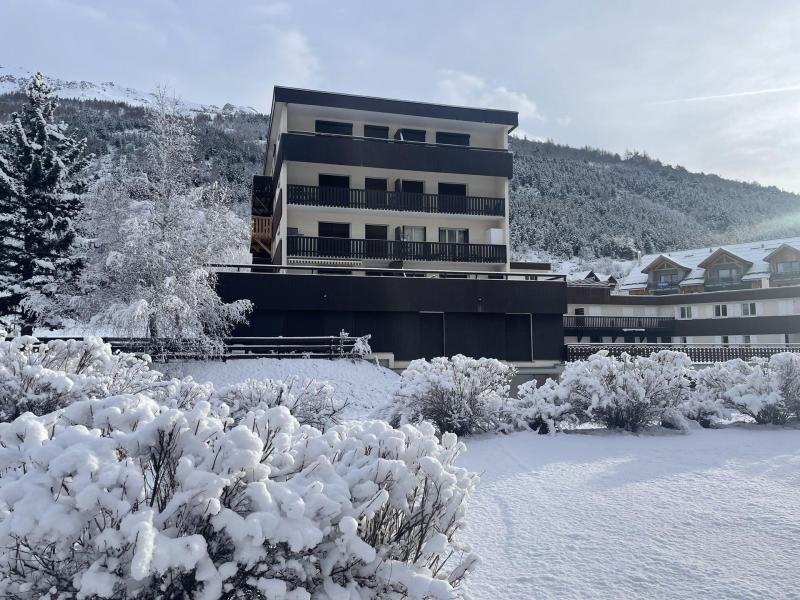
(753, 265)
(739, 300)
(373, 182)
(390, 218)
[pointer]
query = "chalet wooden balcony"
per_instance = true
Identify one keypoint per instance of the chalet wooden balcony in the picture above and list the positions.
(309, 195)
(699, 353)
(714, 285)
(602, 323)
(393, 250)
(786, 277)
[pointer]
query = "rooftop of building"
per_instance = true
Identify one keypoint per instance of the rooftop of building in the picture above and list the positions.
(754, 253)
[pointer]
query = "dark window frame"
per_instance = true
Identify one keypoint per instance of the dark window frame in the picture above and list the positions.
(328, 223)
(452, 138)
(370, 131)
(372, 225)
(341, 126)
(407, 134)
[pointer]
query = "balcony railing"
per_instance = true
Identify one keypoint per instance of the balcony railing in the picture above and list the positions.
(394, 250)
(699, 353)
(785, 275)
(333, 149)
(617, 323)
(726, 284)
(310, 195)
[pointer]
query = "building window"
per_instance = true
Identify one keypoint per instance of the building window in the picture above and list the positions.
(455, 139)
(376, 131)
(333, 127)
(596, 339)
(725, 340)
(376, 232)
(666, 339)
(334, 230)
(410, 233)
(410, 135)
(686, 312)
(789, 266)
(749, 309)
(746, 340)
(452, 189)
(667, 278)
(453, 236)
(410, 187)
(720, 310)
(684, 339)
(726, 274)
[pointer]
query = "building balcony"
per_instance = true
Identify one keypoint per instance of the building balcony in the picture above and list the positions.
(785, 278)
(610, 324)
(699, 353)
(308, 195)
(393, 250)
(715, 285)
(391, 154)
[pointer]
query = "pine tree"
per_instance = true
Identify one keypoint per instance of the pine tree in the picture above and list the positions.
(40, 187)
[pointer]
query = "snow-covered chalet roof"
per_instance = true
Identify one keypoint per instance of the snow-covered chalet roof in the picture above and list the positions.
(755, 254)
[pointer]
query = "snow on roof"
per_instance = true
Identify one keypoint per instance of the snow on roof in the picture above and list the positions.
(754, 253)
(666, 257)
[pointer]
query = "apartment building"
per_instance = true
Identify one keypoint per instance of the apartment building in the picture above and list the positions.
(390, 218)
(739, 297)
(374, 182)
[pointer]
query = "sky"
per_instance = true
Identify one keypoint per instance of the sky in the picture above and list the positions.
(713, 86)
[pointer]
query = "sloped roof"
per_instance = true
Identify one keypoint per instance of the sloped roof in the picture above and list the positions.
(709, 260)
(667, 258)
(783, 246)
(753, 253)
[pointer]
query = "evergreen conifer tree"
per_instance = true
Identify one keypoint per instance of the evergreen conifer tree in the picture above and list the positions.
(40, 187)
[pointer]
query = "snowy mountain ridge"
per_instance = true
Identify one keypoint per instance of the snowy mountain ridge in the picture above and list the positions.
(14, 79)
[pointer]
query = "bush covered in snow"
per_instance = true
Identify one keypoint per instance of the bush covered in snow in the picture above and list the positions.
(127, 497)
(626, 392)
(310, 401)
(460, 394)
(41, 377)
(543, 409)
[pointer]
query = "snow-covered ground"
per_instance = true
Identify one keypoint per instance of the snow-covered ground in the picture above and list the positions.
(366, 387)
(714, 514)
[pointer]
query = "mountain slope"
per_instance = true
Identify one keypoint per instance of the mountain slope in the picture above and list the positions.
(14, 80)
(568, 201)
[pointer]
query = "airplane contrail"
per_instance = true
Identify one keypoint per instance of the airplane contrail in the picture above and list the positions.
(778, 90)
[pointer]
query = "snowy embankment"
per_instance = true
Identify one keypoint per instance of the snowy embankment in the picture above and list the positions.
(715, 514)
(366, 387)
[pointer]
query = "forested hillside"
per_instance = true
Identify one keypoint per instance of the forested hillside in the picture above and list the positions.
(568, 202)
(564, 201)
(230, 143)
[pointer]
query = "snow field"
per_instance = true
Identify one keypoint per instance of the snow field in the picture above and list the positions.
(714, 514)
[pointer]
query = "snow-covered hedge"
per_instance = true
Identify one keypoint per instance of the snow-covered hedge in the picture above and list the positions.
(310, 401)
(630, 393)
(127, 496)
(41, 377)
(461, 395)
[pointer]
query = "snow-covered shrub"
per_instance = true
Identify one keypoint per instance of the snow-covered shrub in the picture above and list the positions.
(707, 403)
(461, 395)
(128, 497)
(786, 367)
(41, 377)
(310, 401)
(626, 392)
(542, 408)
(758, 395)
(361, 347)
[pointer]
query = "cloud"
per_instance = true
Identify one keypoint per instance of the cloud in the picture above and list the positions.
(270, 11)
(293, 61)
(457, 87)
(776, 90)
(564, 120)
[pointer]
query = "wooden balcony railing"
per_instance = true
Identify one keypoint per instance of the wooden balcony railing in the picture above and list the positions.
(393, 250)
(261, 235)
(400, 201)
(699, 353)
(617, 323)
